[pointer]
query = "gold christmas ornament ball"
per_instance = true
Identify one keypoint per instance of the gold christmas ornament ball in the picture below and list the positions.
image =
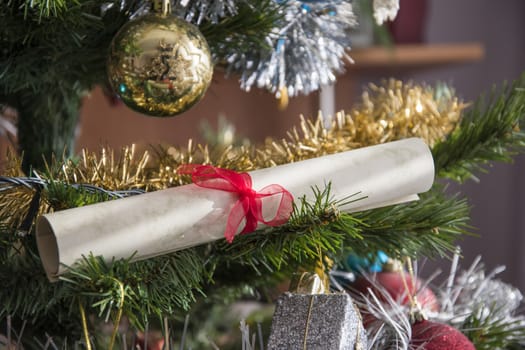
(159, 65)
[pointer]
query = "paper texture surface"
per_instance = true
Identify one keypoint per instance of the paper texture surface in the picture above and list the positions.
(165, 221)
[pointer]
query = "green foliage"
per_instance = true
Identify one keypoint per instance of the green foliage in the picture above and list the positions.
(54, 51)
(164, 285)
(490, 331)
(44, 8)
(154, 287)
(489, 131)
(244, 32)
(62, 196)
(315, 229)
(53, 46)
(427, 227)
(382, 35)
(424, 228)
(27, 294)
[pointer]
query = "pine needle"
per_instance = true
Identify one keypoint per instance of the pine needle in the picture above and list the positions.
(489, 131)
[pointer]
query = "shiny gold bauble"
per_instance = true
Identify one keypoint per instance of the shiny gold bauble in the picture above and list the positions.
(159, 65)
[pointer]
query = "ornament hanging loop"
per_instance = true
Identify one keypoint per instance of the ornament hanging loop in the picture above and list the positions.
(162, 7)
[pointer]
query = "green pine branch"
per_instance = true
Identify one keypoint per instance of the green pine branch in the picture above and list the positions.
(48, 63)
(26, 294)
(46, 43)
(61, 196)
(244, 32)
(166, 284)
(488, 332)
(309, 234)
(489, 131)
(428, 227)
(154, 287)
(63, 52)
(41, 8)
(54, 52)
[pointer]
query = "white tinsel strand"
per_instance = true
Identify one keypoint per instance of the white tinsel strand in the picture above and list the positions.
(196, 11)
(385, 10)
(133, 9)
(309, 48)
(193, 11)
(478, 293)
(306, 49)
(469, 292)
(390, 328)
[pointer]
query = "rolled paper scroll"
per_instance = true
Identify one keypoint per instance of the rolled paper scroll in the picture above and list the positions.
(165, 221)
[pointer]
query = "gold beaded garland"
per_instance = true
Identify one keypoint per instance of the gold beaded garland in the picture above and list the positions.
(159, 65)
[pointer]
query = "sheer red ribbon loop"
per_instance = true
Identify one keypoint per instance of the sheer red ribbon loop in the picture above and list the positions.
(249, 206)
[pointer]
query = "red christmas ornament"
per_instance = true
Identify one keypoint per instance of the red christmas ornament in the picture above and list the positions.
(393, 283)
(427, 335)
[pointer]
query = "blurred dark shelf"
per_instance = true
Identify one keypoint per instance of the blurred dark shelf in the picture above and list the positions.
(415, 55)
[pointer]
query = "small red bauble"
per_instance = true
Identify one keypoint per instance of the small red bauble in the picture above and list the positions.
(393, 283)
(428, 335)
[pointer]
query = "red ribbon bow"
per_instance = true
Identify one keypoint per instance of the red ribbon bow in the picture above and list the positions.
(249, 204)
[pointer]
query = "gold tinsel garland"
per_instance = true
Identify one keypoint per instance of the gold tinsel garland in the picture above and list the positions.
(391, 111)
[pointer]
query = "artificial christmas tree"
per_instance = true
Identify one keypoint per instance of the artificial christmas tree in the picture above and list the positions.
(348, 198)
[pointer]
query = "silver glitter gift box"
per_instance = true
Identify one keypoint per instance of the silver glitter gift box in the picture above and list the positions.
(316, 322)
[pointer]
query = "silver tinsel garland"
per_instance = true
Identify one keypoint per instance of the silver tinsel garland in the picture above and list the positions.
(472, 293)
(308, 49)
(477, 293)
(305, 50)
(196, 11)
(385, 10)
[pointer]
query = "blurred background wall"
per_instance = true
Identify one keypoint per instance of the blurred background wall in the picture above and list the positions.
(498, 200)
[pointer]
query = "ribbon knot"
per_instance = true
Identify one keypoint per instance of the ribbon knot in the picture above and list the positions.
(249, 205)
(247, 192)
